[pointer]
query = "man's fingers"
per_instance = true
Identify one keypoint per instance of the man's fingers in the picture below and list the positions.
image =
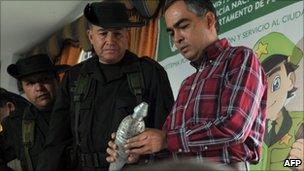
(112, 153)
(137, 138)
(132, 158)
(135, 144)
(110, 159)
(112, 145)
(113, 135)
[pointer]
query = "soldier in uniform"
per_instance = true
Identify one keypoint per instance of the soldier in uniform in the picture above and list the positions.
(26, 131)
(98, 93)
(284, 136)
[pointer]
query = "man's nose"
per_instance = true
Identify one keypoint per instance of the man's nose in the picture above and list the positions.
(110, 37)
(38, 86)
(178, 38)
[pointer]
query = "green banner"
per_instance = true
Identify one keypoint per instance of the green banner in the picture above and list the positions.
(234, 13)
(231, 13)
(165, 45)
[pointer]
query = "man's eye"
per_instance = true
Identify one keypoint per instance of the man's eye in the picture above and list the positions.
(276, 84)
(29, 83)
(184, 26)
(117, 34)
(103, 33)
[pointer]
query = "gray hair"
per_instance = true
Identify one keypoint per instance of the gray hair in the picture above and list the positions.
(198, 7)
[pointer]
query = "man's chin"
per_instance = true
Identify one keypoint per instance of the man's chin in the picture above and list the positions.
(44, 104)
(189, 57)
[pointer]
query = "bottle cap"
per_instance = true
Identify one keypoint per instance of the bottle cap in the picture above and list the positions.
(140, 111)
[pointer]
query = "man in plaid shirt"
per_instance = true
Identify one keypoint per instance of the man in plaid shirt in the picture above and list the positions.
(219, 113)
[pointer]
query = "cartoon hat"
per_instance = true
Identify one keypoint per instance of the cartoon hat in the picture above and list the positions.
(34, 64)
(276, 44)
(109, 14)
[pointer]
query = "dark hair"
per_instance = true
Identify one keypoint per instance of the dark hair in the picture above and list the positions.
(198, 7)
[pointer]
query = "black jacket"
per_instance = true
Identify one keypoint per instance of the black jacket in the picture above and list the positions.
(106, 104)
(13, 134)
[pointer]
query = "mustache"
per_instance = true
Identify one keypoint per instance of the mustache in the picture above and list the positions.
(43, 95)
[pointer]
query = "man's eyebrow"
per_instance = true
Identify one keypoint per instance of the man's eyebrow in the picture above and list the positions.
(276, 69)
(177, 24)
(101, 29)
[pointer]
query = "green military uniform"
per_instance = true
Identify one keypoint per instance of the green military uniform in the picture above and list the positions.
(275, 153)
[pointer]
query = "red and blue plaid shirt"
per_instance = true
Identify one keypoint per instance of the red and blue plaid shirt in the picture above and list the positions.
(219, 113)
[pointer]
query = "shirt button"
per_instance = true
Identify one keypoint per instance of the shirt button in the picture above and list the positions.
(210, 61)
(205, 148)
(180, 150)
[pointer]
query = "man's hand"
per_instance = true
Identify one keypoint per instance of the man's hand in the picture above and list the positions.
(112, 152)
(148, 142)
(297, 152)
(112, 149)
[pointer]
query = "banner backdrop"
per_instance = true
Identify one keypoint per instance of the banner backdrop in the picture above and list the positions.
(272, 28)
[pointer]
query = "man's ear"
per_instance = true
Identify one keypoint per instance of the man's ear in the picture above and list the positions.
(89, 33)
(11, 106)
(292, 80)
(211, 19)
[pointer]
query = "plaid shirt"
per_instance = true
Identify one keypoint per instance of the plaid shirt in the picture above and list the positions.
(220, 109)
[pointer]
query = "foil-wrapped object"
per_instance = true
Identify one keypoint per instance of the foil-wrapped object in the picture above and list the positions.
(129, 127)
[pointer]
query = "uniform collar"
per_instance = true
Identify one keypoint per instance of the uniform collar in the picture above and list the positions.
(110, 72)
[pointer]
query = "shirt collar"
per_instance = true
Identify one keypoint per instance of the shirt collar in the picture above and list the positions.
(212, 52)
(116, 71)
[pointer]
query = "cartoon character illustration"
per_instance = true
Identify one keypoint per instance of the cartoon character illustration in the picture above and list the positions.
(284, 137)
